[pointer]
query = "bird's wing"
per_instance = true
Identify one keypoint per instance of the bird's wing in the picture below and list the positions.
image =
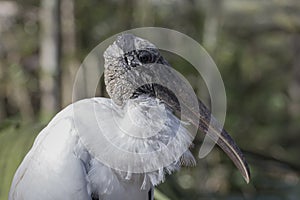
(51, 170)
(59, 166)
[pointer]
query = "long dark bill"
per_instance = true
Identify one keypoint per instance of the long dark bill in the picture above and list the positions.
(207, 124)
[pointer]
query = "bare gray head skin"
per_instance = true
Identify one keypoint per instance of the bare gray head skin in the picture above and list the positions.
(125, 62)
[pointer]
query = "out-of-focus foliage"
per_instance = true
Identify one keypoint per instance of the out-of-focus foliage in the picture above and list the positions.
(256, 45)
(15, 142)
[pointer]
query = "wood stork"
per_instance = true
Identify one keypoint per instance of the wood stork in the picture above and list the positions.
(91, 150)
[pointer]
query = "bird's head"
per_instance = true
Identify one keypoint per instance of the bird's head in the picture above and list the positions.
(127, 63)
(124, 60)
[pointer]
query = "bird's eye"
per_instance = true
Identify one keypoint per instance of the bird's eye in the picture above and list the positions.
(145, 57)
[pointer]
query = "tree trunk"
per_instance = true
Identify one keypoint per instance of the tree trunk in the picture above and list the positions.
(141, 15)
(50, 49)
(294, 86)
(211, 25)
(212, 22)
(2, 93)
(70, 63)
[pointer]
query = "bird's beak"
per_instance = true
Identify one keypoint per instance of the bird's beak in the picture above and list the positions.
(205, 122)
(209, 125)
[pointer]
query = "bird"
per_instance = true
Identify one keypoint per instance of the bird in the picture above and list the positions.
(123, 146)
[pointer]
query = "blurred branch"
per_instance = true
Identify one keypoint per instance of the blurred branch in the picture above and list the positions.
(259, 157)
(251, 32)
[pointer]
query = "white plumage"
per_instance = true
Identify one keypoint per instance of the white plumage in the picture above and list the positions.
(60, 166)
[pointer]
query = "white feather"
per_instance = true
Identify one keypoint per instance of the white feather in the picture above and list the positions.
(68, 158)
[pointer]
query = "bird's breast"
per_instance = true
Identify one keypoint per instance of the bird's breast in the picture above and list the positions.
(142, 118)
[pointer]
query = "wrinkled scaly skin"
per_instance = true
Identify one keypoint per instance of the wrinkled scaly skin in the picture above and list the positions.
(120, 75)
(125, 74)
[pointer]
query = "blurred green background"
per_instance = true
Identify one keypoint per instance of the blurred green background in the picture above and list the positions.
(255, 44)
